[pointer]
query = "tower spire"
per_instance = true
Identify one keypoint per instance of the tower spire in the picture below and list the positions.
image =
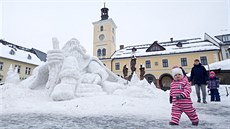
(104, 13)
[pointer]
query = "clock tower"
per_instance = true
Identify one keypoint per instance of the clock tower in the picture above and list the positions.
(104, 36)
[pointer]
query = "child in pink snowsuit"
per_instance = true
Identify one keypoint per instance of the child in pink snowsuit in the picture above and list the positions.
(180, 90)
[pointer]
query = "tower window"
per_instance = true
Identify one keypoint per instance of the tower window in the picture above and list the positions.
(113, 30)
(99, 52)
(101, 28)
(103, 52)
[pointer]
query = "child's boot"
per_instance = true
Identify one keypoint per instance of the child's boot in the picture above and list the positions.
(171, 123)
(195, 123)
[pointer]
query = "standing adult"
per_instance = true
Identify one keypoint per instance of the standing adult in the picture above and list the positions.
(199, 78)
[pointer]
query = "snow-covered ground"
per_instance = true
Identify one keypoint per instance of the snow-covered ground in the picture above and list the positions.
(22, 107)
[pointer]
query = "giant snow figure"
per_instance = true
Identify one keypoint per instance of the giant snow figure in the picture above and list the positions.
(68, 68)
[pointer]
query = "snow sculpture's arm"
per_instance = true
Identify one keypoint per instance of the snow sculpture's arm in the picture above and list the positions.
(99, 71)
(55, 59)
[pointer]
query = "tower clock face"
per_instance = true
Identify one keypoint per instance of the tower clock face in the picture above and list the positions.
(101, 37)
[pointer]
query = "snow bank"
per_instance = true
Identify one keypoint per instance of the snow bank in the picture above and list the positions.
(222, 65)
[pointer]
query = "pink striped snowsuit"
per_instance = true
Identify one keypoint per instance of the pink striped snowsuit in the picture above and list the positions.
(182, 87)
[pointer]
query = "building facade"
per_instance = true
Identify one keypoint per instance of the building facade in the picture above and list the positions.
(23, 58)
(156, 58)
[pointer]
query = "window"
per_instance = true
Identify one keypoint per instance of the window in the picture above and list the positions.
(117, 66)
(29, 57)
(19, 67)
(179, 44)
(155, 48)
(101, 28)
(165, 62)
(12, 52)
(113, 30)
(148, 64)
(99, 52)
(203, 60)
(1, 65)
(103, 52)
(226, 38)
(27, 70)
(183, 61)
(156, 63)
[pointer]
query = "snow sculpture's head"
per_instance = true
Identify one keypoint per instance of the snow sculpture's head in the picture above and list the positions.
(74, 48)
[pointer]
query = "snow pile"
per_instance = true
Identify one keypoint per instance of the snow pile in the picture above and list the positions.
(222, 65)
(137, 88)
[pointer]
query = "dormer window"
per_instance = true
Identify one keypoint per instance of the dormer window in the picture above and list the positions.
(179, 44)
(29, 57)
(12, 52)
(155, 47)
(134, 49)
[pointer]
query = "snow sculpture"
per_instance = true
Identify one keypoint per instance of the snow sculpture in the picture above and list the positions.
(12, 76)
(68, 68)
(137, 88)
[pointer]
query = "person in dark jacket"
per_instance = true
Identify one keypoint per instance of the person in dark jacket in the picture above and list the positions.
(199, 78)
(213, 85)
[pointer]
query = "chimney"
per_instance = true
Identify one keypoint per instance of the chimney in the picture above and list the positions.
(171, 39)
(122, 47)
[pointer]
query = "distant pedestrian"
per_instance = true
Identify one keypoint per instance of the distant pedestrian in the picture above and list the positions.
(199, 78)
(180, 90)
(213, 85)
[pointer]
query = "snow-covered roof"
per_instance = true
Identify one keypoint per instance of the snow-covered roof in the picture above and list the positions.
(190, 45)
(222, 65)
(18, 55)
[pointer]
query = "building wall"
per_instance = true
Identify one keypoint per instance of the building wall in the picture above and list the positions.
(22, 74)
(173, 60)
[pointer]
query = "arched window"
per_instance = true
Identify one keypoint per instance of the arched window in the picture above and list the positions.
(103, 52)
(101, 28)
(99, 52)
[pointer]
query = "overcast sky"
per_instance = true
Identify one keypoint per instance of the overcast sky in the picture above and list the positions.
(33, 23)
